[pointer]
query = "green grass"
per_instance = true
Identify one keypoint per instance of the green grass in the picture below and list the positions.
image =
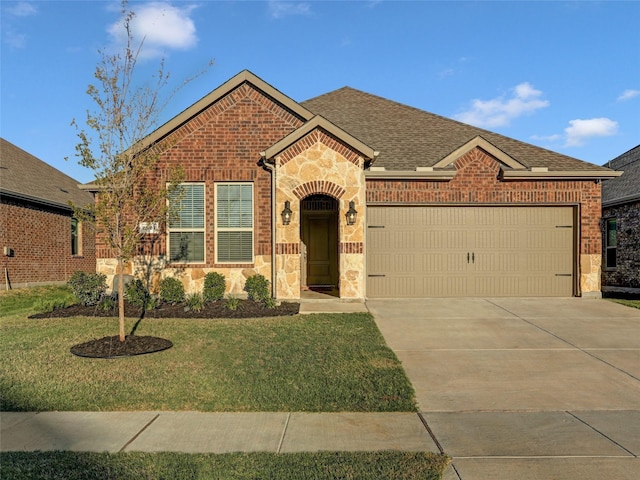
(628, 303)
(26, 301)
(323, 362)
(138, 466)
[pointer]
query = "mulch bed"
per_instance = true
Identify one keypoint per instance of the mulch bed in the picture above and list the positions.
(111, 347)
(219, 309)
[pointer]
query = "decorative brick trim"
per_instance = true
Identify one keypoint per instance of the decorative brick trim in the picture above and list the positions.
(287, 248)
(351, 247)
(319, 186)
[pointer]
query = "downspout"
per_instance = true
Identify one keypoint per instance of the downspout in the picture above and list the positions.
(272, 170)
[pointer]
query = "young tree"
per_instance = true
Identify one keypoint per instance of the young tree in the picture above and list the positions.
(130, 189)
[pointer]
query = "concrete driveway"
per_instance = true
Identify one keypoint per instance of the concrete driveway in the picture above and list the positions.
(516, 388)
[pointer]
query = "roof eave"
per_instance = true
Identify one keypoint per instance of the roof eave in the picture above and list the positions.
(622, 200)
(440, 175)
(38, 200)
(318, 122)
(560, 175)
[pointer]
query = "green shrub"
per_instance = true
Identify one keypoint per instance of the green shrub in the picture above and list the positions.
(88, 287)
(171, 290)
(232, 302)
(136, 293)
(257, 288)
(270, 303)
(107, 303)
(214, 286)
(46, 305)
(194, 303)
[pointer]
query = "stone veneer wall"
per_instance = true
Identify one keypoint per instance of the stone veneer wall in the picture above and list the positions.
(320, 164)
(477, 182)
(627, 271)
(153, 269)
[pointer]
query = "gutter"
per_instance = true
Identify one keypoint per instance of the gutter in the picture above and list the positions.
(442, 175)
(429, 173)
(41, 201)
(535, 174)
(622, 200)
(272, 170)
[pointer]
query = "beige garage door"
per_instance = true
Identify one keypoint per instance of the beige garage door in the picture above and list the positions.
(470, 251)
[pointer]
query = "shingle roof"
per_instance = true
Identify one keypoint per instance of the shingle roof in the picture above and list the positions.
(627, 187)
(407, 137)
(27, 177)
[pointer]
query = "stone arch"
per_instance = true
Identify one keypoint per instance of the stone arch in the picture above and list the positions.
(319, 186)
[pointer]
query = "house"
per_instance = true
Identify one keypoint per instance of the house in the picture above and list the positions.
(621, 225)
(41, 241)
(364, 197)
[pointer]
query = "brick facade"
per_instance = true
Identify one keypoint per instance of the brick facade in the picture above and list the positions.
(222, 144)
(477, 182)
(626, 274)
(40, 238)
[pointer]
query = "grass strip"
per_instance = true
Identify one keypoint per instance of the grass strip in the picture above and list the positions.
(626, 302)
(235, 466)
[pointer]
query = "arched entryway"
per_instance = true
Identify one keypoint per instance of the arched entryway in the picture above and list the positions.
(319, 236)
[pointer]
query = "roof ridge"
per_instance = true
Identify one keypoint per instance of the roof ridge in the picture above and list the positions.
(477, 130)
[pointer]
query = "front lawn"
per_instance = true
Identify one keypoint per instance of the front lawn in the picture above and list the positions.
(136, 466)
(323, 362)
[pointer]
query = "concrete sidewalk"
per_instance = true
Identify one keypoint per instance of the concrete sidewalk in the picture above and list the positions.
(194, 432)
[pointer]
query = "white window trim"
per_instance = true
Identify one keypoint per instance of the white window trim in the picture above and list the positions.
(235, 229)
(203, 230)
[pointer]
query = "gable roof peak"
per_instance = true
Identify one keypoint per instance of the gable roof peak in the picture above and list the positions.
(244, 76)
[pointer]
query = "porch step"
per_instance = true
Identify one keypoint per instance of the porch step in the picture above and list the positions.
(332, 306)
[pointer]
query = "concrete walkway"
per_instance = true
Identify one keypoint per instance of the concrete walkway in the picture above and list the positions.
(523, 388)
(195, 432)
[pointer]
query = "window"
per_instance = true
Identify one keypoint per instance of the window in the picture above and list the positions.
(610, 242)
(234, 223)
(186, 225)
(76, 237)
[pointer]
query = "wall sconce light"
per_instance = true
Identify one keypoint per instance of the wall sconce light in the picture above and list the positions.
(352, 214)
(286, 213)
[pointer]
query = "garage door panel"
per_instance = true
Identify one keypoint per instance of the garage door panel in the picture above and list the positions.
(470, 251)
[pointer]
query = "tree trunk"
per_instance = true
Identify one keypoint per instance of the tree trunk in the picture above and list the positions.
(121, 297)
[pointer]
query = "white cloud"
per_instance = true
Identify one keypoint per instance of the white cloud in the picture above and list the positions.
(11, 36)
(628, 95)
(280, 8)
(500, 111)
(547, 138)
(581, 130)
(22, 9)
(161, 25)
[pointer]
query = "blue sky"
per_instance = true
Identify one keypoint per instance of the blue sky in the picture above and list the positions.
(561, 75)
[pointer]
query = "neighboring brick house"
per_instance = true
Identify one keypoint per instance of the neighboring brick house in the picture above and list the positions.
(621, 225)
(365, 197)
(41, 241)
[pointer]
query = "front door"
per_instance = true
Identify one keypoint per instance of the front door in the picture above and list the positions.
(320, 238)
